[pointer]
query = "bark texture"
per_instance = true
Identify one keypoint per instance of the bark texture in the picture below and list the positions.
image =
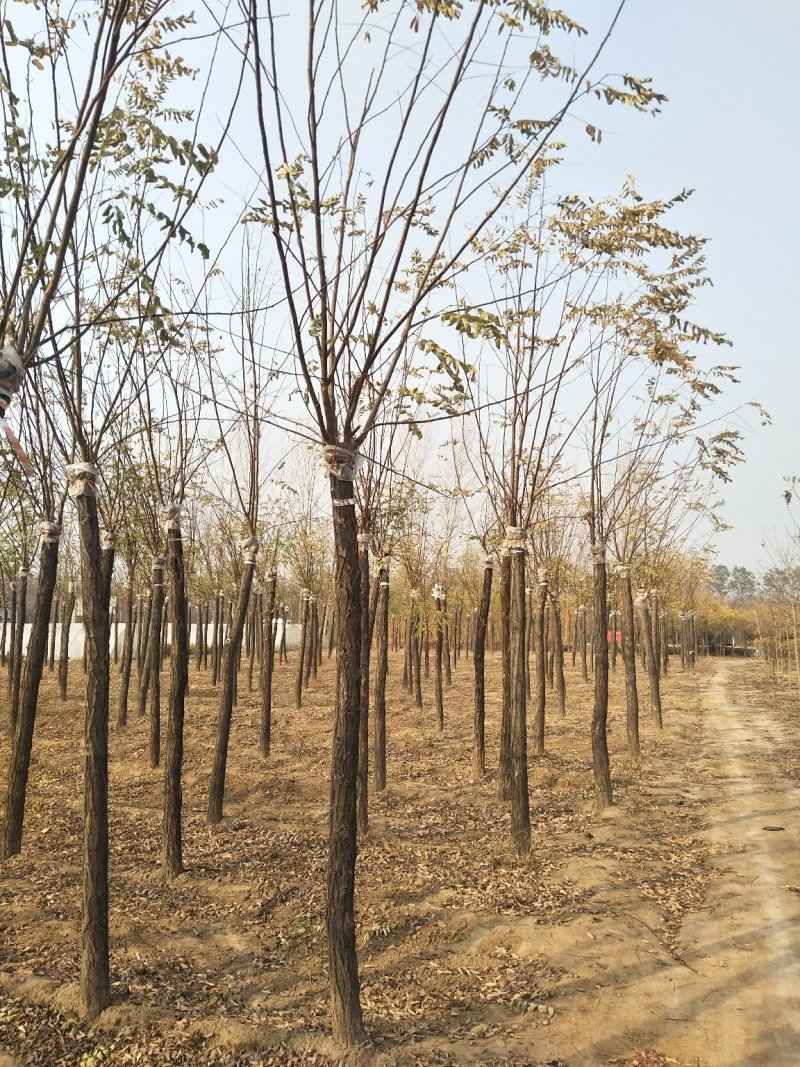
(518, 783)
(19, 765)
(381, 675)
(172, 841)
(95, 981)
(363, 721)
(346, 1017)
(629, 661)
(230, 654)
(504, 775)
(541, 666)
(600, 765)
(154, 657)
(650, 659)
(479, 667)
(127, 661)
(268, 666)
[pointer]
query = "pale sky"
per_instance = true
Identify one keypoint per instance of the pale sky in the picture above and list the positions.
(730, 131)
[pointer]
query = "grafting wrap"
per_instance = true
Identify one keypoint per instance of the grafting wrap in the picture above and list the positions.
(599, 553)
(516, 539)
(342, 463)
(49, 532)
(171, 517)
(250, 547)
(82, 478)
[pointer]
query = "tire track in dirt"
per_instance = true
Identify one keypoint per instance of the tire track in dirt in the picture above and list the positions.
(739, 1004)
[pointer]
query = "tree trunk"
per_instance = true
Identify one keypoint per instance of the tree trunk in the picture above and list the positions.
(529, 640)
(251, 652)
(206, 642)
(348, 1028)
(655, 617)
(520, 804)
(22, 604)
(12, 645)
(63, 655)
(408, 662)
(664, 642)
(298, 680)
(55, 615)
(541, 666)
(154, 658)
(216, 638)
(3, 633)
(95, 981)
(558, 658)
(147, 653)
(164, 641)
(684, 641)
(583, 642)
(141, 639)
(438, 662)
(283, 646)
(172, 844)
(270, 631)
(362, 781)
(198, 641)
(446, 641)
(629, 661)
(650, 658)
(127, 660)
(416, 646)
(504, 771)
(322, 631)
(479, 667)
(310, 642)
(34, 665)
(216, 792)
(602, 773)
(381, 674)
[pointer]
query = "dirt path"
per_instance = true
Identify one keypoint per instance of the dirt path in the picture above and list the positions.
(736, 1002)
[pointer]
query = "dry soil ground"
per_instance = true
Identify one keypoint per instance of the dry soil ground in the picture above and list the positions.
(664, 931)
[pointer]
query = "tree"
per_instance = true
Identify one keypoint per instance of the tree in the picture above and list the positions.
(742, 585)
(362, 258)
(95, 186)
(718, 579)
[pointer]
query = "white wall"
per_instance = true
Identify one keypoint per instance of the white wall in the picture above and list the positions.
(77, 636)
